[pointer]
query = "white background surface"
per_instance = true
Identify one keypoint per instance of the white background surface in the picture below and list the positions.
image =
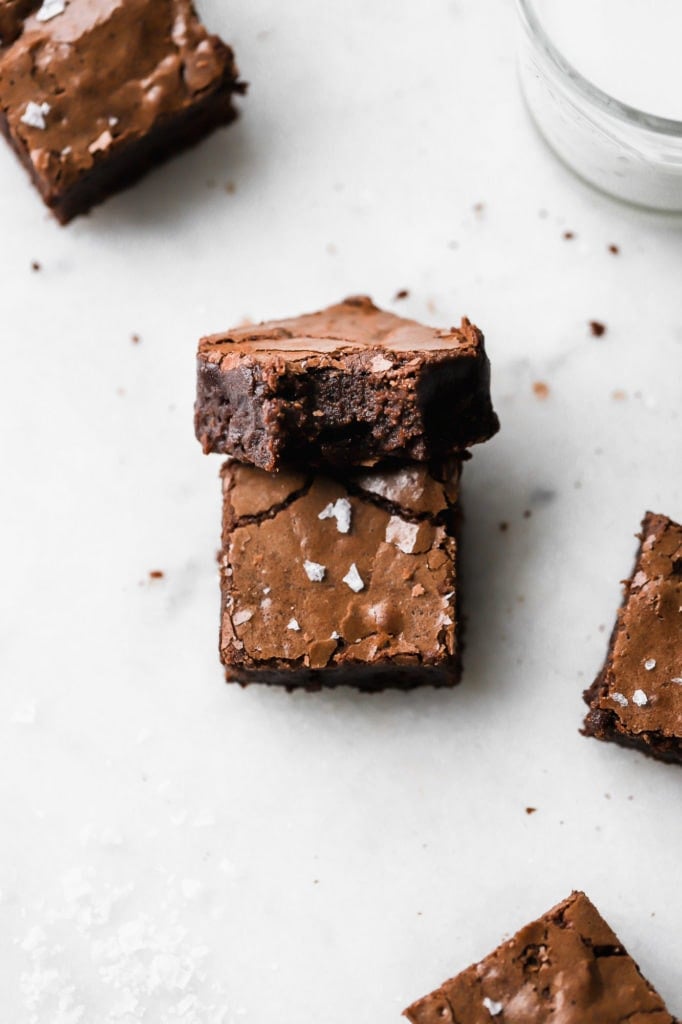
(168, 841)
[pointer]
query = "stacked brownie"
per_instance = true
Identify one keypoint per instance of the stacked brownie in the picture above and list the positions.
(346, 430)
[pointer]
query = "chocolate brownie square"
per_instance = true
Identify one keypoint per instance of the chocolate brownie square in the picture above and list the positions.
(636, 700)
(568, 967)
(95, 92)
(349, 385)
(330, 580)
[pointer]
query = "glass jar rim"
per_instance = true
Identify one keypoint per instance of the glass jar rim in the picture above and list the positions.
(596, 96)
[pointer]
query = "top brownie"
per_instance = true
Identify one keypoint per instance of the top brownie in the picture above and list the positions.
(349, 385)
(568, 967)
(94, 92)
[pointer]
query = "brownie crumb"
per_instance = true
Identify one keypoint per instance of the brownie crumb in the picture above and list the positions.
(35, 265)
(569, 235)
(479, 208)
(402, 294)
(614, 249)
(527, 514)
(503, 527)
(618, 395)
(156, 574)
(541, 390)
(531, 810)
(230, 188)
(135, 338)
(597, 328)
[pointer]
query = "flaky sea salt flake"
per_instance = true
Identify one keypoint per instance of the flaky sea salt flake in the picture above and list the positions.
(50, 9)
(620, 698)
(35, 114)
(339, 510)
(293, 625)
(640, 698)
(314, 571)
(493, 1008)
(239, 618)
(650, 664)
(353, 579)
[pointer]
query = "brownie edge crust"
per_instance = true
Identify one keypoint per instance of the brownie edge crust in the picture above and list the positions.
(636, 700)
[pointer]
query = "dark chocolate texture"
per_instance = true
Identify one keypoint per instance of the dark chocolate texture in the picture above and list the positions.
(348, 385)
(568, 967)
(93, 93)
(328, 581)
(636, 700)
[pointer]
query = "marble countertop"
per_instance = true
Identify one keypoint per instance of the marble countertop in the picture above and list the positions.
(174, 849)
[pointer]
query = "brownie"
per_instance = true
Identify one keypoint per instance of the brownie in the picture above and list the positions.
(636, 700)
(348, 385)
(330, 580)
(568, 967)
(93, 93)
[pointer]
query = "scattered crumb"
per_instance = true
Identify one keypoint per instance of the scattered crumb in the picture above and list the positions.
(36, 266)
(331, 249)
(531, 810)
(597, 328)
(230, 188)
(618, 395)
(156, 574)
(402, 294)
(569, 235)
(541, 390)
(418, 590)
(614, 249)
(135, 338)
(479, 208)
(527, 514)
(503, 527)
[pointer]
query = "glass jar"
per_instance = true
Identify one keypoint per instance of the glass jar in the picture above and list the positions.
(623, 151)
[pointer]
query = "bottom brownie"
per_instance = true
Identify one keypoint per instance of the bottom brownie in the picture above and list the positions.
(330, 581)
(568, 967)
(636, 700)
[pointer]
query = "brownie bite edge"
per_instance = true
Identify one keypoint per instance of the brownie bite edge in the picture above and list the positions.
(344, 386)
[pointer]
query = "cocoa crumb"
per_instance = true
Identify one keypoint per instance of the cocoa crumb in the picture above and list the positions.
(569, 235)
(541, 390)
(597, 328)
(614, 249)
(156, 574)
(35, 265)
(618, 395)
(230, 188)
(402, 294)
(531, 810)
(135, 338)
(503, 527)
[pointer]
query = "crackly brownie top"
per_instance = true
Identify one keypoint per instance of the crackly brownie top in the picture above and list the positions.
(83, 76)
(642, 684)
(322, 572)
(355, 325)
(566, 968)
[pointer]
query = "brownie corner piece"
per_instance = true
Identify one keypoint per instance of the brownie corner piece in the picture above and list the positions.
(343, 386)
(93, 94)
(330, 581)
(567, 965)
(636, 700)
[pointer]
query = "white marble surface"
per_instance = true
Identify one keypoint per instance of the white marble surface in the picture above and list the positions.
(170, 844)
